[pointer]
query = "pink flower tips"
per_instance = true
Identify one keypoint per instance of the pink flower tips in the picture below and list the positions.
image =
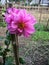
(20, 22)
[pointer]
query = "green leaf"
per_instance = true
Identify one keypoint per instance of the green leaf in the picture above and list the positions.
(22, 61)
(9, 61)
(7, 50)
(2, 24)
(39, 27)
(8, 35)
(7, 42)
(0, 48)
(1, 53)
(41, 35)
(6, 31)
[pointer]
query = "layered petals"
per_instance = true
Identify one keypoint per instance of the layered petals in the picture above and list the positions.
(20, 22)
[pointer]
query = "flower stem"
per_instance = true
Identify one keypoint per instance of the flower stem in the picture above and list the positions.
(4, 55)
(16, 49)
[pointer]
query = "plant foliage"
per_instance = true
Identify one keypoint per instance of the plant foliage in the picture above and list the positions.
(41, 35)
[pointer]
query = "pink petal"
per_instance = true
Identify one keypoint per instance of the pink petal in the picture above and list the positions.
(19, 30)
(10, 28)
(13, 25)
(8, 18)
(26, 34)
(9, 10)
(16, 10)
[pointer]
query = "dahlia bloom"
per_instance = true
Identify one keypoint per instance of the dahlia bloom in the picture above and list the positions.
(20, 22)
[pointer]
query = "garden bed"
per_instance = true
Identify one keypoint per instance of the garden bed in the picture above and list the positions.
(33, 52)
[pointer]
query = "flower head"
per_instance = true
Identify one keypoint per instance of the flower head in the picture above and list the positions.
(20, 22)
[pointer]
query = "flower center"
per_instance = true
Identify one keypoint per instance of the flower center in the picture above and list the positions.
(21, 25)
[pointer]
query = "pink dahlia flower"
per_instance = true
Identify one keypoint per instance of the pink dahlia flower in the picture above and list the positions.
(20, 22)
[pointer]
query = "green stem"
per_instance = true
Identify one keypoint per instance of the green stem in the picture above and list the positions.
(16, 49)
(4, 55)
